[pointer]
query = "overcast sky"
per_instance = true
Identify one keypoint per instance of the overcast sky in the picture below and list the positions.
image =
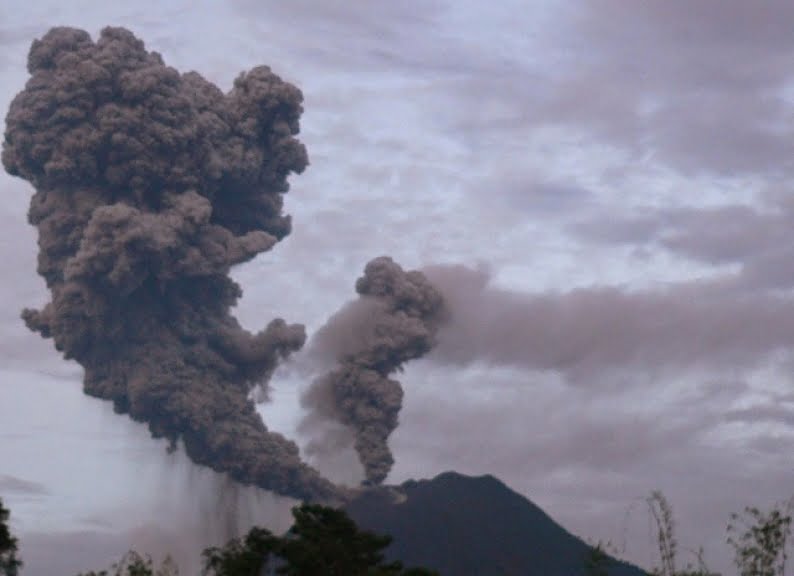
(614, 178)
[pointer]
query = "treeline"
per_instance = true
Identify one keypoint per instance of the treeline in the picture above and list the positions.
(321, 541)
(325, 541)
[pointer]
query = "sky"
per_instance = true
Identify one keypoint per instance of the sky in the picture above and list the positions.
(611, 180)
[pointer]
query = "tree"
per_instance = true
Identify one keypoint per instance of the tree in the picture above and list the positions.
(760, 539)
(597, 561)
(326, 541)
(662, 513)
(322, 540)
(133, 564)
(241, 557)
(9, 563)
(601, 558)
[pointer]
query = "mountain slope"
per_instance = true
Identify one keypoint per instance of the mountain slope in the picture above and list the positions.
(472, 526)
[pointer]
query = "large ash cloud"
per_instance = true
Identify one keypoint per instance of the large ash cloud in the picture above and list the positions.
(394, 320)
(150, 185)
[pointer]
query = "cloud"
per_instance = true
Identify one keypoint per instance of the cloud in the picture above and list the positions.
(753, 238)
(782, 414)
(702, 90)
(21, 486)
(369, 35)
(702, 87)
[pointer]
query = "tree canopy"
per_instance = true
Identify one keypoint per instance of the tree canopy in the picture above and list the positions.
(322, 541)
(9, 563)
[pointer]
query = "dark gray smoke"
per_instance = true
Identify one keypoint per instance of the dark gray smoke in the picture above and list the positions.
(150, 185)
(394, 320)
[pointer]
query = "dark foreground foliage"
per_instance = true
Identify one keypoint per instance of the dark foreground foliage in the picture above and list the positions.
(322, 541)
(9, 563)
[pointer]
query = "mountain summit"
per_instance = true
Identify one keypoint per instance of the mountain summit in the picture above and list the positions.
(473, 526)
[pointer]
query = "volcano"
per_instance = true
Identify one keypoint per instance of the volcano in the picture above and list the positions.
(473, 526)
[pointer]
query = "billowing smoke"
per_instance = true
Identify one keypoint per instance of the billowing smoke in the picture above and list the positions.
(591, 332)
(394, 320)
(150, 185)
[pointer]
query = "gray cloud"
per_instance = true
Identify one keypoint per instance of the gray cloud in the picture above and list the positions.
(372, 35)
(702, 87)
(21, 486)
(638, 230)
(703, 90)
(769, 413)
(753, 237)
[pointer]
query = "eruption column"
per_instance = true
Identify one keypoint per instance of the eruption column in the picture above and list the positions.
(149, 186)
(394, 320)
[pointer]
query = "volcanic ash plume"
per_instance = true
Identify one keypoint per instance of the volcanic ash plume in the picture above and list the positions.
(150, 185)
(596, 332)
(394, 320)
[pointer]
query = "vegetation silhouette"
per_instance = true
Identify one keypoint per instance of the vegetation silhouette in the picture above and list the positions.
(10, 564)
(322, 541)
(760, 540)
(326, 541)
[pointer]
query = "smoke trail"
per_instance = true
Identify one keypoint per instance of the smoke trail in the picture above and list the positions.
(150, 186)
(394, 320)
(584, 333)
